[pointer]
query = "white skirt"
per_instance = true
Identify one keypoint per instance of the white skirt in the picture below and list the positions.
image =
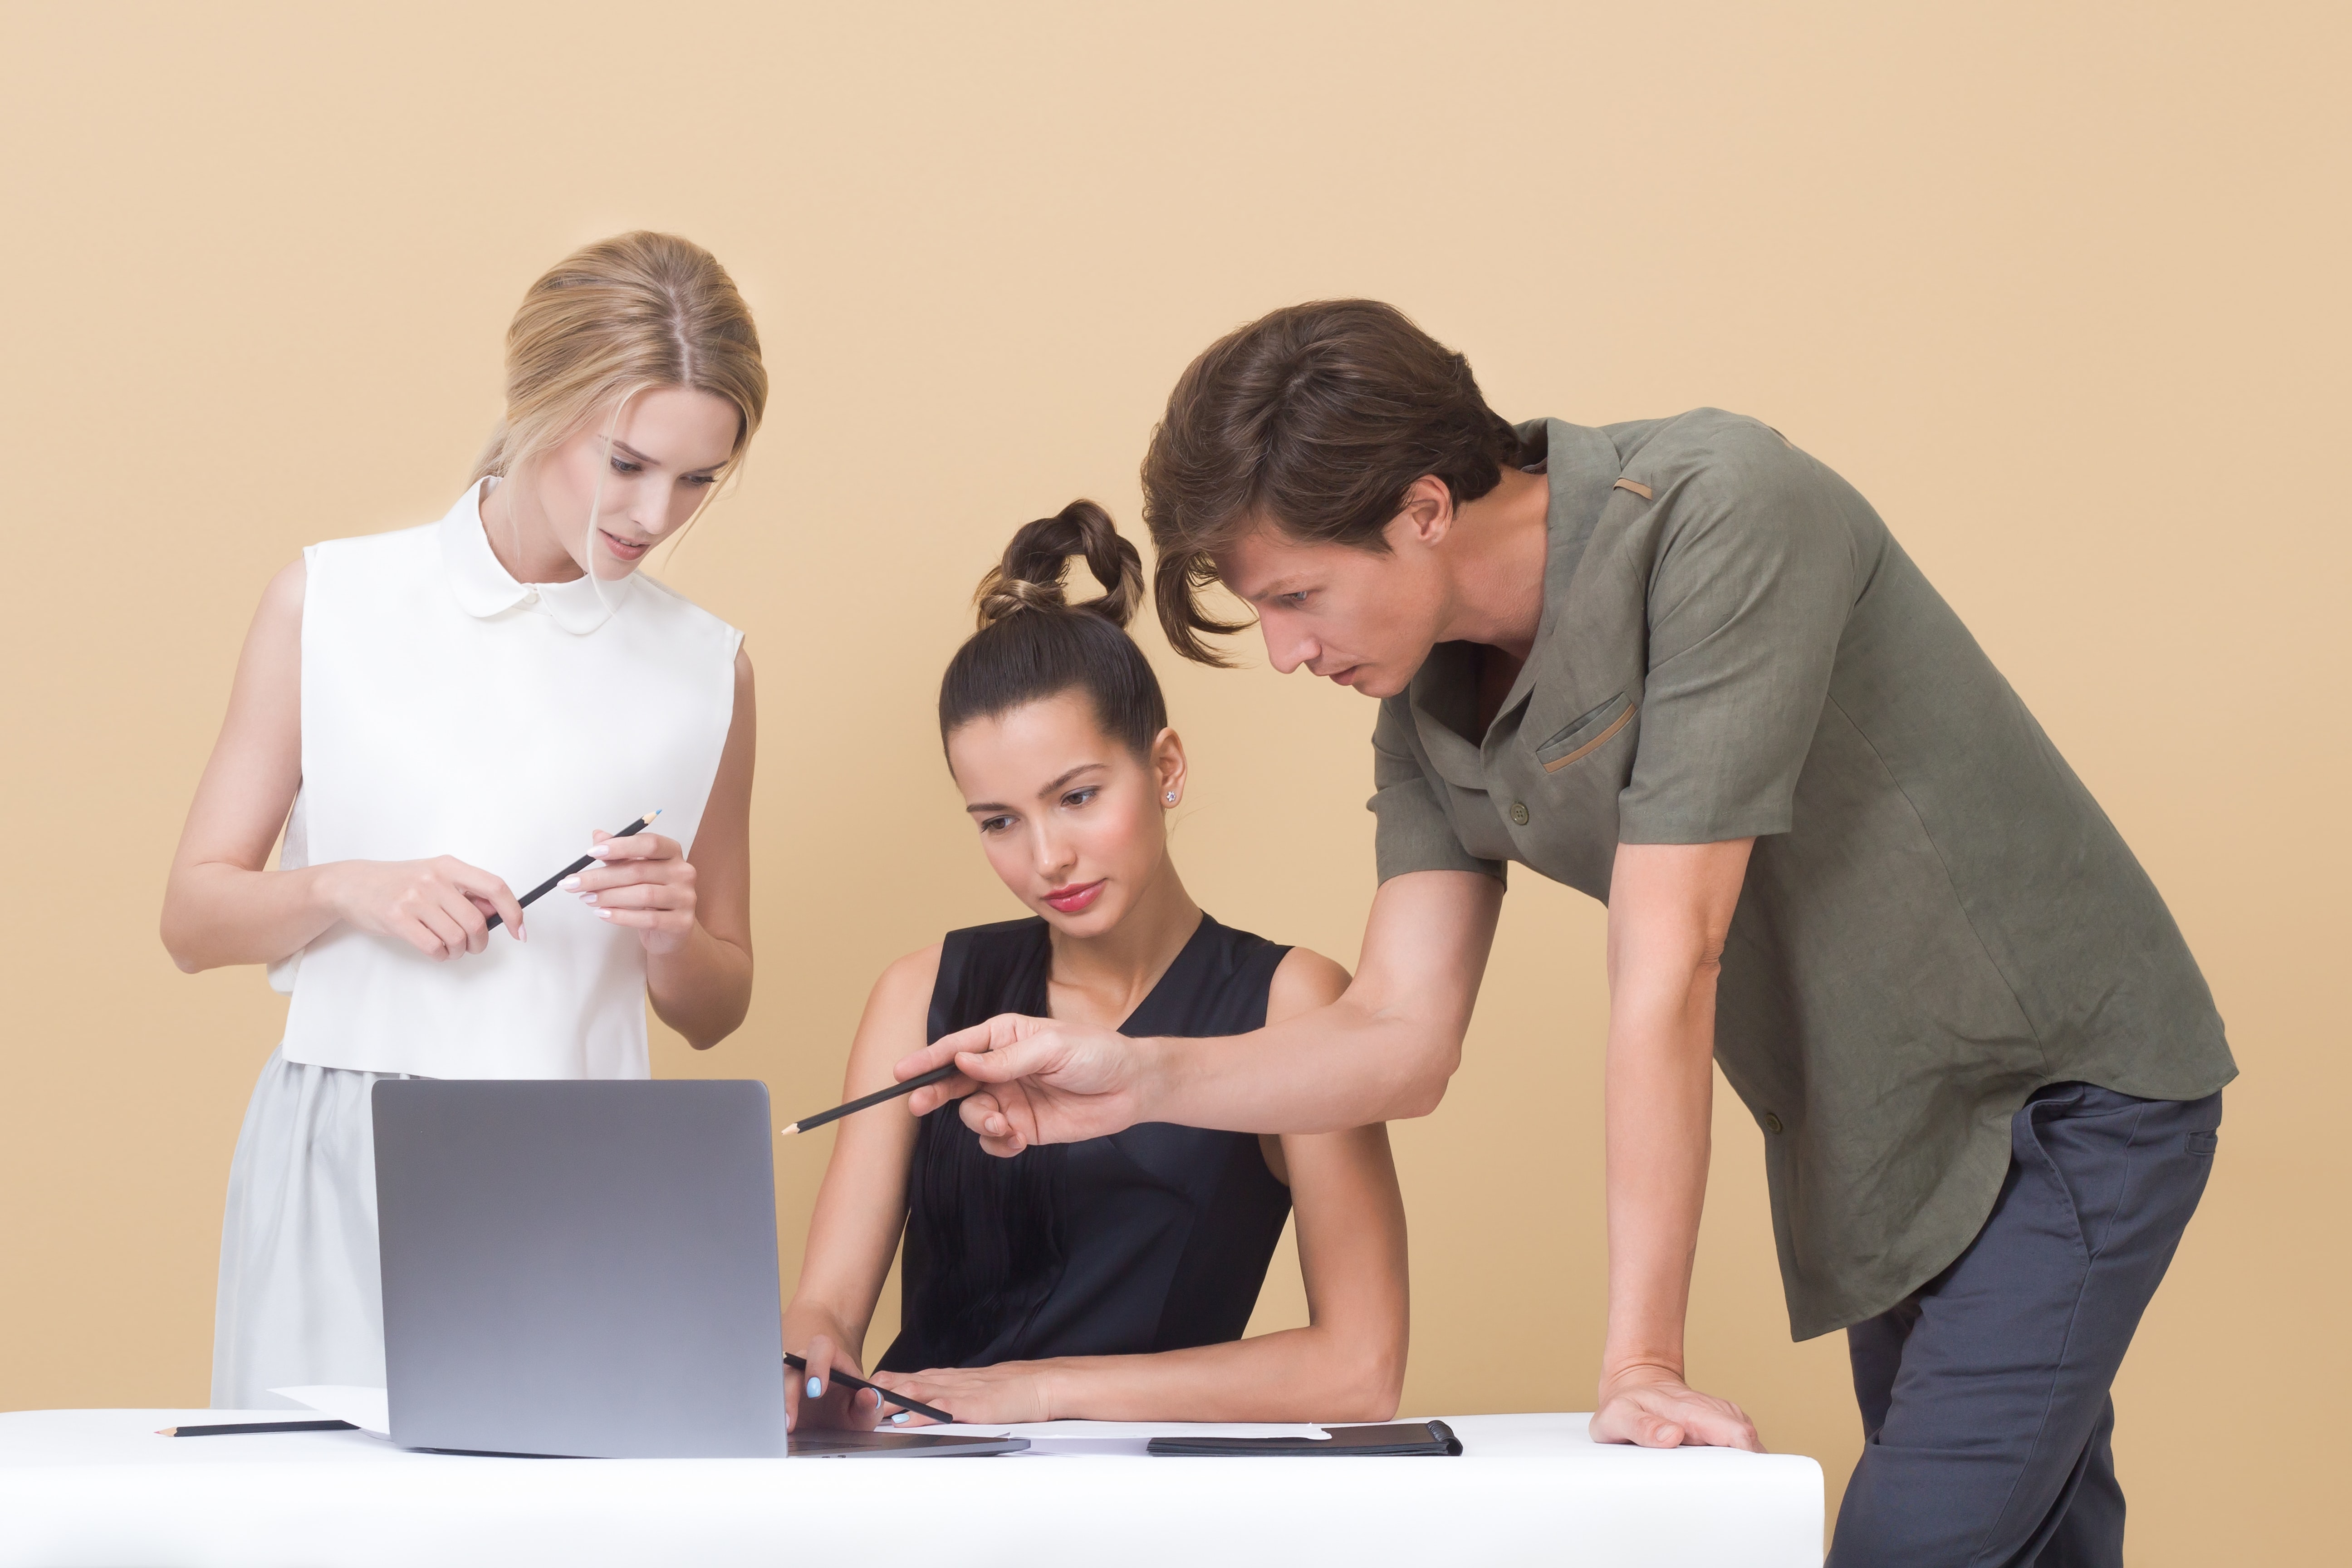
(301, 1293)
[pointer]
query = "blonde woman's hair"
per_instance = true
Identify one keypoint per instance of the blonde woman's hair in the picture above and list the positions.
(613, 318)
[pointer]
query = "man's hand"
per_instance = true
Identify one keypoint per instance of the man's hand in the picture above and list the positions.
(1653, 1408)
(1033, 1080)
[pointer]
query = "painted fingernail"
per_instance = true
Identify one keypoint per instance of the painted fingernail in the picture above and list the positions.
(569, 883)
(901, 1418)
(587, 898)
(603, 914)
(815, 1389)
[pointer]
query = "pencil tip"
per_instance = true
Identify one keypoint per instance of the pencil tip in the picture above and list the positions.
(791, 1132)
(167, 1431)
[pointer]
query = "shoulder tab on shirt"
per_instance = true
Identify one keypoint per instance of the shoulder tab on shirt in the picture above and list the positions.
(1635, 486)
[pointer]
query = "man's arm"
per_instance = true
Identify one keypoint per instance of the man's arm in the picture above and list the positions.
(1670, 908)
(1382, 1052)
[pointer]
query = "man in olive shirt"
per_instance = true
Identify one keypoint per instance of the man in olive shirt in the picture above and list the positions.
(1681, 666)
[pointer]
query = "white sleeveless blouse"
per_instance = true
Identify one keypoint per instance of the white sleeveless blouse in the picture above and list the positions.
(449, 710)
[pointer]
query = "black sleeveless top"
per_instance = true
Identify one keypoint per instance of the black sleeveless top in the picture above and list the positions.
(1156, 1238)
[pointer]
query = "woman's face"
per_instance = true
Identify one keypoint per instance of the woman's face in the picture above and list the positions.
(667, 448)
(1073, 821)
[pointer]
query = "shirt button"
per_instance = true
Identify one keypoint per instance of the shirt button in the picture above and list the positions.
(1772, 1123)
(1519, 811)
(530, 596)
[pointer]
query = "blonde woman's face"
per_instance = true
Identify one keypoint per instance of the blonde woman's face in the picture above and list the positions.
(1073, 821)
(669, 447)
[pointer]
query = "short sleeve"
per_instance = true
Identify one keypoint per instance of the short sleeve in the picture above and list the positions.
(1749, 594)
(1414, 832)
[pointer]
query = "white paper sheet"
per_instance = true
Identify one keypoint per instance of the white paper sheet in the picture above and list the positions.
(1127, 1439)
(1137, 1430)
(365, 1408)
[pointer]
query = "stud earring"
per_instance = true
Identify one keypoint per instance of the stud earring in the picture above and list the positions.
(1171, 797)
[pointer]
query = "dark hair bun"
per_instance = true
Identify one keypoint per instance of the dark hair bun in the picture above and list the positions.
(1029, 579)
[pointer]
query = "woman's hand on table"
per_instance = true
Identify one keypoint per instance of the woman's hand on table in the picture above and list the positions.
(440, 907)
(1000, 1396)
(832, 1405)
(644, 882)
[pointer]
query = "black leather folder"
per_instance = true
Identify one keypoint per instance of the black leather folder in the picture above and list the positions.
(1396, 1437)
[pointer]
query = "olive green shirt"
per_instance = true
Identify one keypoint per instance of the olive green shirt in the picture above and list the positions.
(1938, 918)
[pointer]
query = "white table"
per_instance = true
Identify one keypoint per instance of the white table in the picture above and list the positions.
(98, 1486)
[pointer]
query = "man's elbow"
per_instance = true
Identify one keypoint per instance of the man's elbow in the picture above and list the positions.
(1423, 1088)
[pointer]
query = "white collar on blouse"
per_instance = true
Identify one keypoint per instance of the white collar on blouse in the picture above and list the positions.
(484, 588)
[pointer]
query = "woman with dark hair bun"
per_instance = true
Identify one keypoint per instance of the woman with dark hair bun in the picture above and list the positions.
(1111, 1278)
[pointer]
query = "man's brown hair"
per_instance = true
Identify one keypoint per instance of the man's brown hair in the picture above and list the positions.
(1314, 420)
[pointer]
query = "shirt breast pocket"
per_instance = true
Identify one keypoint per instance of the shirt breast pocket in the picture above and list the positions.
(1586, 734)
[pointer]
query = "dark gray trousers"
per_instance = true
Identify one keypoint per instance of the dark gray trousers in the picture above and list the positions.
(1985, 1412)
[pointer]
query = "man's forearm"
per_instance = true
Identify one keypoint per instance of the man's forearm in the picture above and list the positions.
(1382, 1052)
(1669, 909)
(1659, 1095)
(1338, 1066)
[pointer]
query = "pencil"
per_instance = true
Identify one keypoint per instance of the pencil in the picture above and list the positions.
(231, 1428)
(811, 1123)
(639, 825)
(918, 1406)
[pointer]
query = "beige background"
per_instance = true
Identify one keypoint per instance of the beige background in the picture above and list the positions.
(2062, 295)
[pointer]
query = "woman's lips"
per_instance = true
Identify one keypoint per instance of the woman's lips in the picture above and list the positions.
(1075, 897)
(622, 548)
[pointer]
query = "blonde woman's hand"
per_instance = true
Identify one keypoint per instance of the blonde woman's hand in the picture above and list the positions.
(440, 907)
(645, 882)
(1004, 1395)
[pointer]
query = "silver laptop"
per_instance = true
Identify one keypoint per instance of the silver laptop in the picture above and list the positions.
(590, 1270)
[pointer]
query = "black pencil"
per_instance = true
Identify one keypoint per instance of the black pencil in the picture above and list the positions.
(231, 1428)
(631, 830)
(916, 1405)
(810, 1123)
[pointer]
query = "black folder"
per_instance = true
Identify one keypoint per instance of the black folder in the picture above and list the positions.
(1398, 1437)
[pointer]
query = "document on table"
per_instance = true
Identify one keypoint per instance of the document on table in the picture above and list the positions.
(368, 1409)
(1117, 1439)
(365, 1408)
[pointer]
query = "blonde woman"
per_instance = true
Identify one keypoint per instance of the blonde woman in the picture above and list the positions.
(437, 716)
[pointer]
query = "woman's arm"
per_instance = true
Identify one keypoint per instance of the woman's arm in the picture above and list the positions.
(861, 1208)
(693, 913)
(221, 907)
(1347, 1364)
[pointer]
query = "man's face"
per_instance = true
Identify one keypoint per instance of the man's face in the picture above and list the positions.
(1363, 618)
